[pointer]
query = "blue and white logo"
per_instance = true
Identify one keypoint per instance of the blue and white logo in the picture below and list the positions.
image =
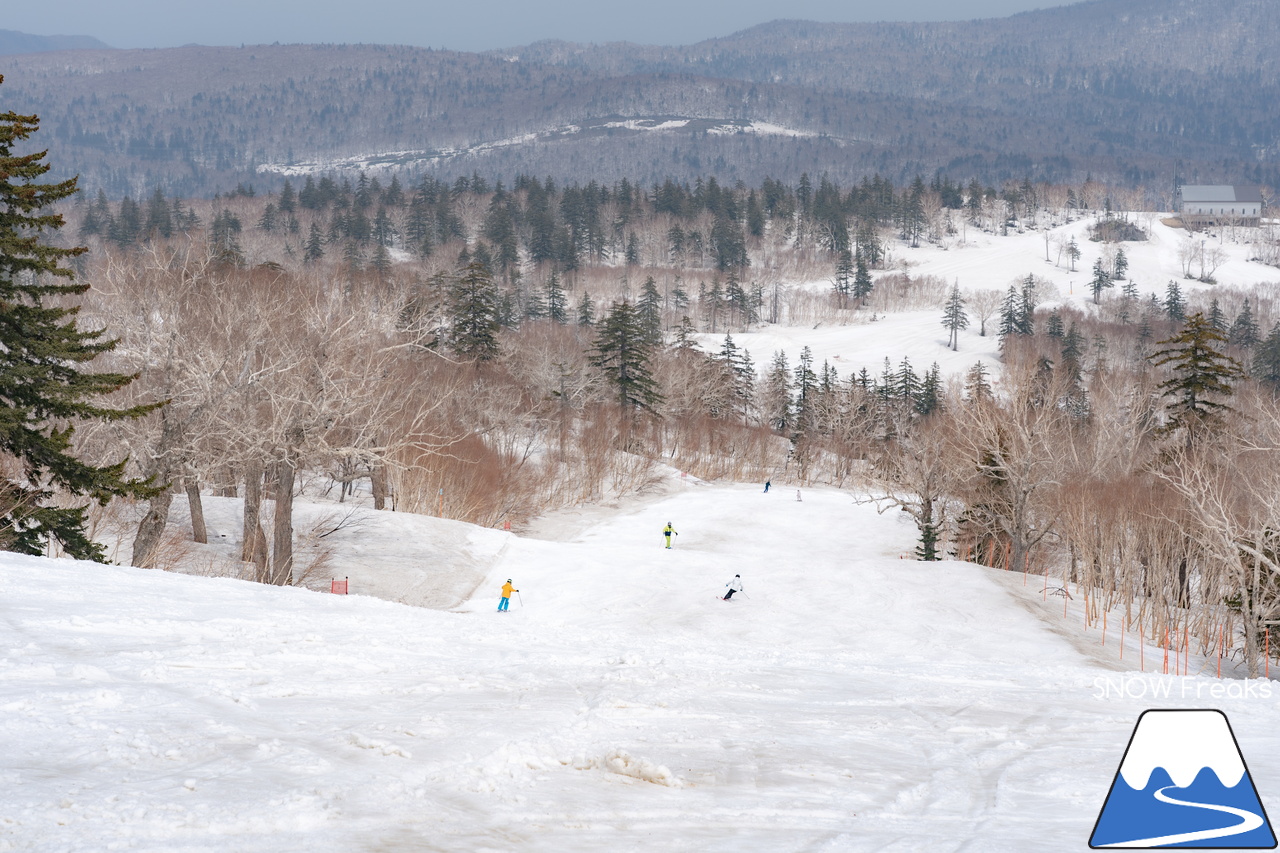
(1183, 783)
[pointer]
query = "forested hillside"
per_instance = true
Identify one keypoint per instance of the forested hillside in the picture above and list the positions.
(1126, 91)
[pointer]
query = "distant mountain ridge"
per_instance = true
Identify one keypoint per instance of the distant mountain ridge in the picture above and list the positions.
(1131, 91)
(13, 42)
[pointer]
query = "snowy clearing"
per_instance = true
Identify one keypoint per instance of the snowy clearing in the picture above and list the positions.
(978, 261)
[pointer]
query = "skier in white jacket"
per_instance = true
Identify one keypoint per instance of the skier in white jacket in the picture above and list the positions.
(734, 585)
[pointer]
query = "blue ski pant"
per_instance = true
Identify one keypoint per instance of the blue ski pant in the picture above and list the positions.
(502, 604)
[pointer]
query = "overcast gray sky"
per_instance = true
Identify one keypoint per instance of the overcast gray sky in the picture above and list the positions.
(458, 25)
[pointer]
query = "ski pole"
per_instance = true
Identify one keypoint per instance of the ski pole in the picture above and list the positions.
(518, 598)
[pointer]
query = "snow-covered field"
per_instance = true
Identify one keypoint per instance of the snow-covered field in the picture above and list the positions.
(978, 261)
(854, 701)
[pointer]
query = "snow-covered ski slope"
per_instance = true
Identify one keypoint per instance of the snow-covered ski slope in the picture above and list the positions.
(978, 261)
(855, 701)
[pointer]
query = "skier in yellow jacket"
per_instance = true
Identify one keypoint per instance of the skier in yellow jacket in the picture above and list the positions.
(507, 589)
(668, 532)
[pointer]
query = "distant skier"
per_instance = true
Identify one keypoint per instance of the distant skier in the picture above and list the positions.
(507, 589)
(766, 487)
(734, 585)
(668, 532)
(798, 495)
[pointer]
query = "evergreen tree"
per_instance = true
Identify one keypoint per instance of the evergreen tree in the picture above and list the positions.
(929, 400)
(622, 353)
(843, 283)
(288, 199)
(554, 300)
(1054, 327)
(126, 226)
(98, 216)
(976, 386)
(1266, 359)
(1010, 322)
(268, 221)
(1072, 350)
(384, 231)
(224, 238)
(586, 310)
(1101, 280)
(679, 299)
(742, 303)
(776, 396)
(314, 249)
(862, 284)
(906, 383)
(1129, 299)
(686, 343)
(739, 375)
(804, 387)
(473, 314)
(1201, 373)
(160, 215)
(954, 317)
(1244, 331)
(913, 218)
(353, 258)
(1121, 265)
(1145, 332)
(1175, 305)
(44, 387)
(1216, 318)
(650, 312)
(381, 261)
(1027, 307)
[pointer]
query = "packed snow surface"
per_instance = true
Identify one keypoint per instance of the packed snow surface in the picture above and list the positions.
(849, 700)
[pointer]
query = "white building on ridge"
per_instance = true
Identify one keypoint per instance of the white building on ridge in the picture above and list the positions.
(1202, 205)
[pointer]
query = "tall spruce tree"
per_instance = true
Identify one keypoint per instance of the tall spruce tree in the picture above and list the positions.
(805, 386)
(1202, 375)
(622, 352)
(954, 317)
(554, 299)
(473, 314)
(1244, 331)
(843, 282)
(1175, 304)
(862, 284)
(776, 394)
(650, 312)
(1266, 359)
(1101, 280)
(44, 386)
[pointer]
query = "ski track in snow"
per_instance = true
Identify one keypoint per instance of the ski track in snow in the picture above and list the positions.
(854, 701)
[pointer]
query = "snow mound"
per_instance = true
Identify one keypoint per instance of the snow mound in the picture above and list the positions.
(622, 763)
